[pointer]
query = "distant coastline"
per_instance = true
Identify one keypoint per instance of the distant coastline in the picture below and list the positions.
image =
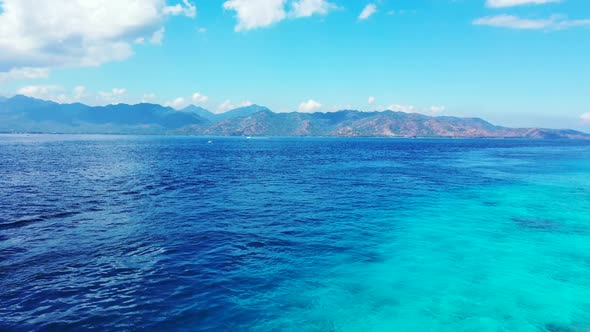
(12, 134)
(21, 114)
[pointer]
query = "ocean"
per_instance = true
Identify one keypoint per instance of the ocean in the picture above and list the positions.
(156, 233)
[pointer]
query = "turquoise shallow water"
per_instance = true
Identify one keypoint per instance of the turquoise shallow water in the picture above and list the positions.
(513, 256)
(174, 234)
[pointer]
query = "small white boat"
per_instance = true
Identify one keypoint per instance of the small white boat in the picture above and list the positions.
(210, 142)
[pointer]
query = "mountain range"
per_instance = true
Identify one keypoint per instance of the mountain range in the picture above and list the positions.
(26, 114)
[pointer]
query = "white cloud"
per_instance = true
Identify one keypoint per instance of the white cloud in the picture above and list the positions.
(565, 24)
(432, 110)
(225, 106)
(369, 10)
(24, 73)
(555, 22)
(513, 22)
(337, 108)
(585, 117)
(402, 108)
(158, 36)
(58, 93)
(309, 106)
(111, 97)
(306, 8)
(198, 98)
(47, 92)
(58, 33)
(371, 100)
(512, 3)
(435, 110)
(252, 14)
(188, 10)
(79, 92)
(148, 97)
(228, 106)
(118, 92)
(178, 103)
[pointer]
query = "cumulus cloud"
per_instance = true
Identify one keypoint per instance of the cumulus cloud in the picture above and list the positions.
(368, 11)
(309, 106)
(585, 118)
(118, 92)
(252, 14)
(111, 97)
(46, 92)
(512, 3)
(178, 103)
(158, 36)
(54, 93)
(432, 110)
(513, 22)
(148, 97)
(555, 22)
(402, 108)
(435, 110)
(24, 73)
(228, 106)
(225, 106)
(188, 10)
(371, 100)
(306, 8)
(79, 93)
(198, 98)
(44, 34)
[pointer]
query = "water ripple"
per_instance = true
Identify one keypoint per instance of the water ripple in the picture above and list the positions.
(172, 234)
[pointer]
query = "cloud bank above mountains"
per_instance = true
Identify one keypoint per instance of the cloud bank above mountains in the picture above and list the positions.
(38, 35)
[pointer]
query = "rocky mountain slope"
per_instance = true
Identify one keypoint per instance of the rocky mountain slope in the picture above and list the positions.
(24, 114)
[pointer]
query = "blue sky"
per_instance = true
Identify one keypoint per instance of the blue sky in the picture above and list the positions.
(513, 62)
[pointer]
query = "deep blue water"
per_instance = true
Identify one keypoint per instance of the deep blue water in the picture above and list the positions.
(124, 233)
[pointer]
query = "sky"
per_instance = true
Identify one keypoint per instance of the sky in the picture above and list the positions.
(512, 62)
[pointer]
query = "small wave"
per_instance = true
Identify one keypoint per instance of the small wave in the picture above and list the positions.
(36, 219)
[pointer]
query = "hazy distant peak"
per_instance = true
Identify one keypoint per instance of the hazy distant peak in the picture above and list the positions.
(254, 108)
(193, 108)
(21, 113)
(241, 112)
(25, 98)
